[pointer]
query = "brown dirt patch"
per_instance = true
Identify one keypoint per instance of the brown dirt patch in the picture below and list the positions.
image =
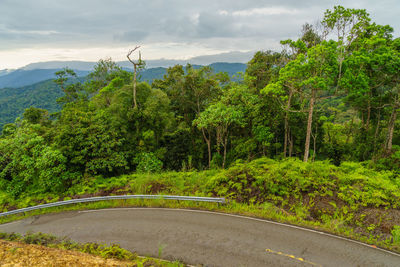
(19, 254)
(155, 187)
(325, 205)
(113, 191)
(384, 220)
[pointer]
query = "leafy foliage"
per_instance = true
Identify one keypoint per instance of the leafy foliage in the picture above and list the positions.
(148, 162)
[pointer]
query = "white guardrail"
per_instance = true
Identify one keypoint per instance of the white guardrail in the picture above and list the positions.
(94, 199)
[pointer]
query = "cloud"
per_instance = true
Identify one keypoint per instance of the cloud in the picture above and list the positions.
(131, 36)
(213, 25)
(4, 29)
(265, 11)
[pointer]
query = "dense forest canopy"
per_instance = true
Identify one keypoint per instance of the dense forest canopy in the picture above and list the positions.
(333, 94)
(40, 90)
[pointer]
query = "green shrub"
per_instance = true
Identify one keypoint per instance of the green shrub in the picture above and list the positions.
(148, 162)
(39, 239)
(396, 234)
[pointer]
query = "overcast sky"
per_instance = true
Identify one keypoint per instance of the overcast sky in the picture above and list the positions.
(47, 30)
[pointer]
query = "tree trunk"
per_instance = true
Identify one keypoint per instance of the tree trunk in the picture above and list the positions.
(290, 144)
(341, 59)
(287, 124)
(350, 131)
(135, 65)
(377, 130)
(309, 125)
(134, 87)
(315, 143)
(391, 125)
(368, 115)
(225, 144)
(208, 141)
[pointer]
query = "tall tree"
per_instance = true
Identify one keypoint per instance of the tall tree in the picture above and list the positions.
(220, 117)
(346, 24)
(320, 65)
(393, 92)
(263, 68)
(136, 65)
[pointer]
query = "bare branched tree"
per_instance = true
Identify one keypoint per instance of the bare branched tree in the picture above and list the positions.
(136, 65)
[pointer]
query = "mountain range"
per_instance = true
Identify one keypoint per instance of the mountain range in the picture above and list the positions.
(27, 75)
(230, 57)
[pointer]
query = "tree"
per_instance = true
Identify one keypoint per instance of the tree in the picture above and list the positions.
(289, 84)
(263, 68)
(136, 65)
(220, 117)
(349, 24)
(312, 73)
(72, 91)
(370, 78)
(320, 64)
(28, 163)
(36, 115)
(93, 140)
(190, 92)
(103, 73)
(393, 92)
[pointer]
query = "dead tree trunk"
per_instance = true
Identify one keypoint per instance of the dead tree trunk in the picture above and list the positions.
(134, 86)
(137, 64)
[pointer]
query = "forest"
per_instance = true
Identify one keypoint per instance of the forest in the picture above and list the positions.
(331, 95)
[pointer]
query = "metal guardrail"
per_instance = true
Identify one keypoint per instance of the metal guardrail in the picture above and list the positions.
(94, 199)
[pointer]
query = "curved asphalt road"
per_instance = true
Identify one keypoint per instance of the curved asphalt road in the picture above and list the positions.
(211, 239)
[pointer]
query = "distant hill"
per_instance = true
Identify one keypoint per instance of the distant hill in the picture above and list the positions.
(5, 72)
(23, 77)
(232, 69)
(229, 57)
(13, 101)
(149, 75)
(20, 77)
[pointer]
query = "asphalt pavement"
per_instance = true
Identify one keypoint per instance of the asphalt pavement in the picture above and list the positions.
(207, 238)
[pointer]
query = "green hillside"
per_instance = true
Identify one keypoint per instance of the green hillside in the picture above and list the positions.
(13, 101)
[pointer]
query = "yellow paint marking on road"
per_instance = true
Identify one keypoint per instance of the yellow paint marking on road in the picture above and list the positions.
(292, 257)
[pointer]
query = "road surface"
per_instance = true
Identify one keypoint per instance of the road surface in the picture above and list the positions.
(211, 239)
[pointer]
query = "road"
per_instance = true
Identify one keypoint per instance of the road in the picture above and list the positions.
(211, 239)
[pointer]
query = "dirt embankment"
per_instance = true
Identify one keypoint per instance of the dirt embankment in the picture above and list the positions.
(19, 254)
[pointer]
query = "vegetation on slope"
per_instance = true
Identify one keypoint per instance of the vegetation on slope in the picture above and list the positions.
(38, 249)
(351, 199)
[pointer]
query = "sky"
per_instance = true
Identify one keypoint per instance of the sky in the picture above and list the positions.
(88, 30)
